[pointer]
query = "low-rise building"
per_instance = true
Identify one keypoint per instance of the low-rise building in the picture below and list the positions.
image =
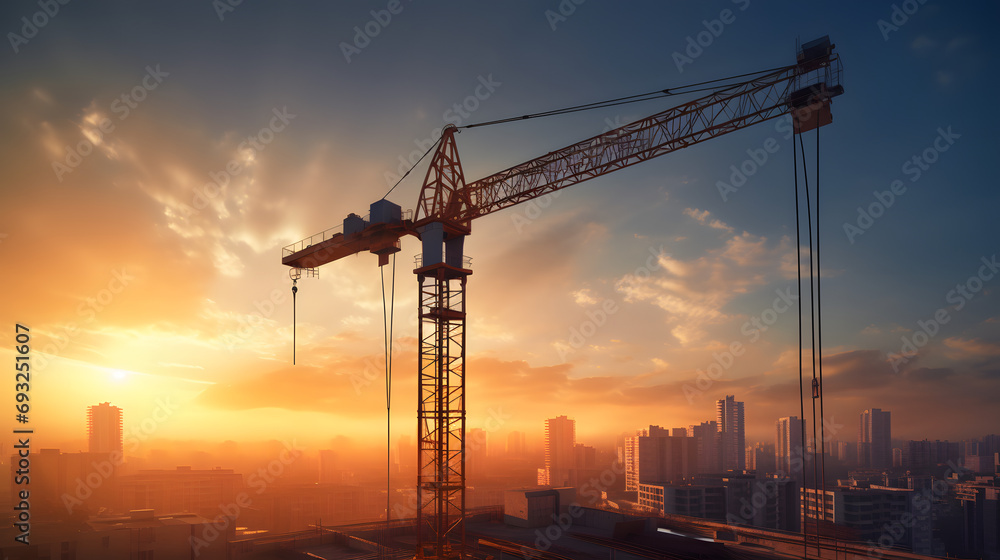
(887, 517)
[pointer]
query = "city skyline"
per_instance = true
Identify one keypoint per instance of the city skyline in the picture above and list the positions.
(555, 445)
(664, 475)
(139, 442)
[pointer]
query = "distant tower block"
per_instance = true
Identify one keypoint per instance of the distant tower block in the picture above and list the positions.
(732, 434)
(104, 428)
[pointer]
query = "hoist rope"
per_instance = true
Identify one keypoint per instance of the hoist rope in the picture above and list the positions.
(388, 311)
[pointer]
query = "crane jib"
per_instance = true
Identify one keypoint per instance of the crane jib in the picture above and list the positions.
(803, 90)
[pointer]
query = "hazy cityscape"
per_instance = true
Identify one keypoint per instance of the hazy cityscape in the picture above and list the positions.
(709, 471)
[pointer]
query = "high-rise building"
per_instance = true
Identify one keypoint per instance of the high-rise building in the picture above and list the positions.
(515, 444)
(788, 446)
(706, 437)
(104, 429)
(981, 514)
(875, 439)
(732, 434)
(979, 455)
(925, 454)
(476, 454)
(990, 445)
(655, 456)
(584, 456)
(760, 458)
(845, 451)
(560, 438)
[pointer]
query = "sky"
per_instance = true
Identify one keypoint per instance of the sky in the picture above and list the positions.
(158, 157)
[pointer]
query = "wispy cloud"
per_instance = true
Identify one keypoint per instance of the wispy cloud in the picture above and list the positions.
(704, 218)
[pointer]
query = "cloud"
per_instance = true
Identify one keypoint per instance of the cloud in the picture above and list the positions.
(702, 217)
(694, 293)
(583, 297)
(976, 348)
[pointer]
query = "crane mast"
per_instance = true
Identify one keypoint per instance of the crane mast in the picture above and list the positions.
(444, 213)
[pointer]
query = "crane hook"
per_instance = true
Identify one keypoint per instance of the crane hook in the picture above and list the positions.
(295, 290)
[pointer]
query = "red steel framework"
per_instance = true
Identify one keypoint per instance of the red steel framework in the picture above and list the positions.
(441, 411)
(719, 113)
(447, 206)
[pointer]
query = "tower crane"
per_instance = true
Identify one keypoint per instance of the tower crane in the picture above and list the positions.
(448, 204)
